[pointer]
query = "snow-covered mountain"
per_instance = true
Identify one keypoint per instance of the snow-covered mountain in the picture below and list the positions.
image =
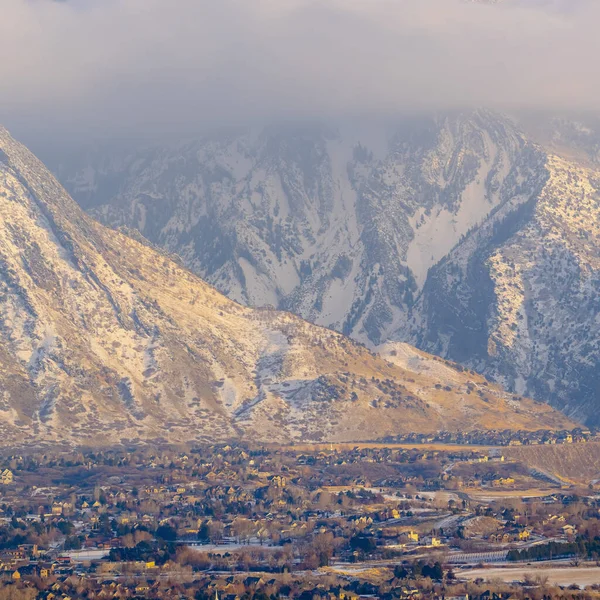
(442, 231)
(518, 298)
(338, 226)
(103, 339)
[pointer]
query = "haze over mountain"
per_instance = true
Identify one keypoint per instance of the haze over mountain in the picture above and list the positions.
(175, 68)
(457, 232)
(340, 226)
(103, 339)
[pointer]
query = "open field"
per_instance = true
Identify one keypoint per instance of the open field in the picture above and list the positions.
(489, 495)
(573, 463)
(565, 576)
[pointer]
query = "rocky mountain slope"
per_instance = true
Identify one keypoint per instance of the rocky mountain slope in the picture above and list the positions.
(337, 225)
(103, 339)
(459, 233)
(518, 299)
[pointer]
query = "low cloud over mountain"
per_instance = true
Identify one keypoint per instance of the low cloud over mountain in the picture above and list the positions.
(116, 67)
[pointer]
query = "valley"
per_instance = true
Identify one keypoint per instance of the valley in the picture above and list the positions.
(299, 300)
(396, 522)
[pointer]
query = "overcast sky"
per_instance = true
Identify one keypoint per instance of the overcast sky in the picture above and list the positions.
(117, 67)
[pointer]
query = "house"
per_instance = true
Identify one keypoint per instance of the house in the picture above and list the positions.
(12, 556)
(277, 481)
(413, 536)
(6, 477)
(524, 535)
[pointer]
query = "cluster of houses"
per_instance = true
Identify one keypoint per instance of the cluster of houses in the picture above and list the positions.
(66, 529)
(499, 437)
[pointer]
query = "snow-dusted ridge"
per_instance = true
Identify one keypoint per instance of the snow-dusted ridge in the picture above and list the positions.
(427, 230)
(339, 225)
(103, 340)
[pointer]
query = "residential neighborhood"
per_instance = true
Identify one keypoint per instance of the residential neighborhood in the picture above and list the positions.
(241, 521)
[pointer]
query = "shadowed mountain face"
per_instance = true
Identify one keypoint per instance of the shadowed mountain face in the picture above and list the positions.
(458, 233)
(338, 226)
(518, 299)
(104, 339)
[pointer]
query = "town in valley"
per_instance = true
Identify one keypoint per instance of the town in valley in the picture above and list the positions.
(388, 520)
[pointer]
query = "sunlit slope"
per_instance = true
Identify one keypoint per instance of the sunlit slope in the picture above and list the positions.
(103, 340)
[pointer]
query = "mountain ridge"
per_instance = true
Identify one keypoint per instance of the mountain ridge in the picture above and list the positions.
(304, 218)
(105, 341)
(541, 288)
(350, 229)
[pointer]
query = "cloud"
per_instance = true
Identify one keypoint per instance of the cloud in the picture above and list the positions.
(123, 66)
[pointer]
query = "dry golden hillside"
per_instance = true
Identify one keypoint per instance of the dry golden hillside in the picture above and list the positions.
(572, 463)
(105, 340)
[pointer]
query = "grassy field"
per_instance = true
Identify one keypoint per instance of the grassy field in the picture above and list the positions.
(573, 463)
(491, 494)
(565, 576)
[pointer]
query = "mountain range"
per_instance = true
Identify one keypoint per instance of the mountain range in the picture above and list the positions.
(472, 235)
(104, 339)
